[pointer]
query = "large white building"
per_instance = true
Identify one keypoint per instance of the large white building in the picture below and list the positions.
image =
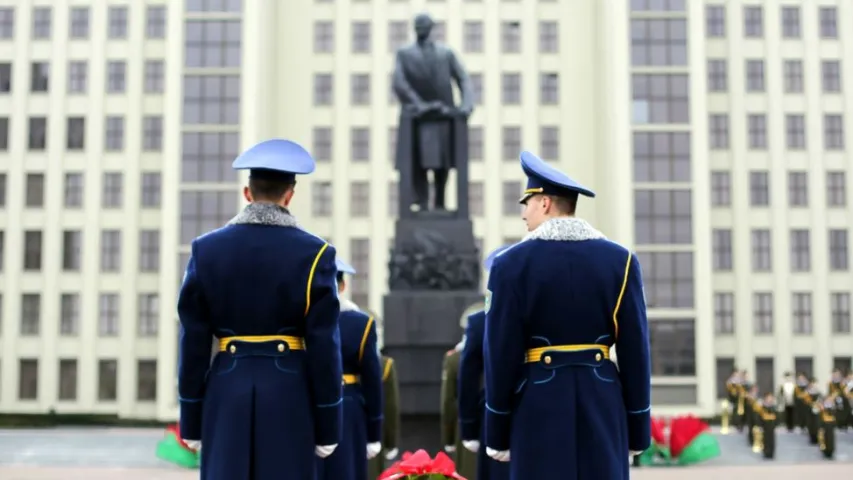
(713, 133)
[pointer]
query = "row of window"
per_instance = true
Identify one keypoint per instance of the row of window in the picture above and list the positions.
(802, 321)
(69, 376)
(112, 190)
(753, 21)
(78, 77)
(110, 260)
(795, 131)
(799, 245)
(109, 314)
(793, 75)
(798, 189)
(360, 143)
(765, 374)
(473, 36)
(80, 19)
(511, 91)
(75, 133)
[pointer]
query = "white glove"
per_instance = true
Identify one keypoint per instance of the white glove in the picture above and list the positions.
(501, 456)
(324, 451)
(373, 449)
(193, 444)
(450, 448)
(391, 454)
(471, 445)
(635, 452)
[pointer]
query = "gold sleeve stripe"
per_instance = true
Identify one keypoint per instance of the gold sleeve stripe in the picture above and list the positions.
(621, 294)
(311, 277)
(364, 338)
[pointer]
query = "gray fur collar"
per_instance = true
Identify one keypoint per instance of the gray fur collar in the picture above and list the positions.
(565, 229)
(264, 214)
(348, 305)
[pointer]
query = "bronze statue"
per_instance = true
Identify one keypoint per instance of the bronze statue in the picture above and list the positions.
(423, 83)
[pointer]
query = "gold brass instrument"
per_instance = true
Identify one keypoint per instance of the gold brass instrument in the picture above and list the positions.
(724, 417)
(740, 400)
(757, 439)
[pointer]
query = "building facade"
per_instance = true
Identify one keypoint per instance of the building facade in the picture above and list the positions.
(713, 133)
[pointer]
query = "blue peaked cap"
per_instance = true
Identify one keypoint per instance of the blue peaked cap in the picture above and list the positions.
(545, 179)
(487, 264)
(276, 157)
(344, 267)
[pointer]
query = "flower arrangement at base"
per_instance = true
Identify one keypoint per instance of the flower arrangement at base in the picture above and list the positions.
(173, 449)
(419, 466)
(690, 442)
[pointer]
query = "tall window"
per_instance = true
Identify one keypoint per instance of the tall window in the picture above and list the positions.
(800, 250)
(668, 279)
(212, 43)
(149, 314)
(149, 250)
(722, 245)
(202, 212)
(801, 303)
(673, 347)
(762, 258)
(660, 98)
(762, 312)
(840, 307)
(721, 189)
(146, 380)
(838, 249)
(108, 315)
(69, 314)
(663, 217)
(107, 380)
(724, 313)
(661, 156)
(207, 157)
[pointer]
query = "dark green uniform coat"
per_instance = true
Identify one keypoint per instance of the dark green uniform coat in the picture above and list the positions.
(466, 461)
(391, 424)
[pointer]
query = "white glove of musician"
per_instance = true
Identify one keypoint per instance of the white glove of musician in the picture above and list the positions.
(193, 444)
(373, 449)
(471, 445)
(450, 448)
(499, 455)
(391, 454)
(324, 451)
(635, 452)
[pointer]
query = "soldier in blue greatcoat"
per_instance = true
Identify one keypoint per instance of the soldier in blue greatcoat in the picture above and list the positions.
(557, 302)
(362, 380)
(472, 395)
(270, 401)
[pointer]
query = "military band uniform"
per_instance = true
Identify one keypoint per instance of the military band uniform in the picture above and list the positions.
(472, 399)
(266, 289)
(558, 301)
(786, 398)
(466, 462)
(362, 397)
(391, 419)
(801, 410)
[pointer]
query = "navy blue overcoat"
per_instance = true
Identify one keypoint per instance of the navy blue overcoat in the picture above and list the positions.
(265, 290)
(363, 397)
(472, 397)
(558, 301)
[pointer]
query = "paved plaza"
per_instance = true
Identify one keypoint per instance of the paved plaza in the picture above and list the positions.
(128, 454)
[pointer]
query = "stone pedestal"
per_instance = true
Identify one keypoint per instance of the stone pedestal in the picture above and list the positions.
(434, 277)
